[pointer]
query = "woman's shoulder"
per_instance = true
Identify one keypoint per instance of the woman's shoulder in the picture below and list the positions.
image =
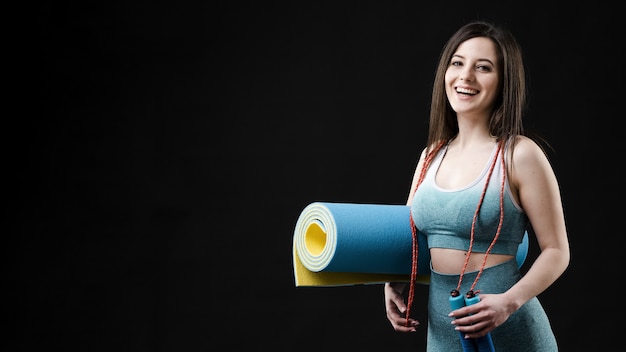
(527, 150)
(529, 160)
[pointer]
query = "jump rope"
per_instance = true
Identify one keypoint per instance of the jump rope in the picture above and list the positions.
(480, 344)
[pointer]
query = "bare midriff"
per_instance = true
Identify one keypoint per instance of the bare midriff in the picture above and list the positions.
(451, 261)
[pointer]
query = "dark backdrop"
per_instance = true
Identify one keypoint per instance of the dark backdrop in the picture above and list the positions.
(166, 150)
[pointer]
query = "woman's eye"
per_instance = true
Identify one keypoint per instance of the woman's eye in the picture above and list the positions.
(483, 68)
(456, 63)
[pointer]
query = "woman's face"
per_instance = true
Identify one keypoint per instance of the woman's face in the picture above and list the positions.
(472, 77)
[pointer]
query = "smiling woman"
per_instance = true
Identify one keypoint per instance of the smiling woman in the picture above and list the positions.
(479, 185)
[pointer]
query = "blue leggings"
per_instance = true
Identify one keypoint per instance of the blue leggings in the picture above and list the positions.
(528, 329)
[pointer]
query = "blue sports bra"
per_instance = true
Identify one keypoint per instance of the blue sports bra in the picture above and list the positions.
(445, 216)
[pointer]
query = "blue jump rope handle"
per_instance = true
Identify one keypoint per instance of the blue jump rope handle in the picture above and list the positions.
(483, 344)
(480, 344)
(467, 344)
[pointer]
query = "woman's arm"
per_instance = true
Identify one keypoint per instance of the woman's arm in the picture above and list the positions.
(539, 195)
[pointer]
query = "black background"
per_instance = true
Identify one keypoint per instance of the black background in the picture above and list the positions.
(166, 150)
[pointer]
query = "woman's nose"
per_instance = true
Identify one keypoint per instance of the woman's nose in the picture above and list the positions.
(467, 74)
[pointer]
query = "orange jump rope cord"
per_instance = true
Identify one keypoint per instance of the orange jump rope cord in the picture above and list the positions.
(427, 160)
(480, 202)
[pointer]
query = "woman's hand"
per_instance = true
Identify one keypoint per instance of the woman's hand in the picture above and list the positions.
(396, 307)
(479, 319)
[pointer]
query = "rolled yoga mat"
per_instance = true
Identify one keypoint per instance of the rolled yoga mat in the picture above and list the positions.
(341, 244)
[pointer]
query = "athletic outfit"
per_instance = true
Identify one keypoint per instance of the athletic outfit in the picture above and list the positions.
(445, 217)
